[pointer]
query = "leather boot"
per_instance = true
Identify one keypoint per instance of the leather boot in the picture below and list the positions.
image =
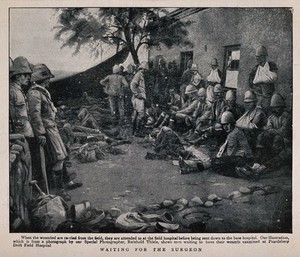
(58, 183)
(134, 127)
(190, 166)
(139, 130)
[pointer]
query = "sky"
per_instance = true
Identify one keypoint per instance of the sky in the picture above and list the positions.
(31, 35)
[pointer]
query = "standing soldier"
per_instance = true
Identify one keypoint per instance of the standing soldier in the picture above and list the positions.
(129, 74)
(20, 191)
(262, 78)
(42, 114)
(114, 87)
(20, 77)
(215, 77)
(137, 86)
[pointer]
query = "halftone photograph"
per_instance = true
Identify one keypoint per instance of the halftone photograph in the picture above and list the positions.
(150, 120)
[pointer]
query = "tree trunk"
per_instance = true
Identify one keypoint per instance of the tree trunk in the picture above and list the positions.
(134, 56)
(130, 44)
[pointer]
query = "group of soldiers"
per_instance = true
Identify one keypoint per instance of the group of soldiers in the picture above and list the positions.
(202, 108)
(34, 116)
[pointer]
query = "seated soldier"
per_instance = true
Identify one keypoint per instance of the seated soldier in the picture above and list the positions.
(213, 129)
(233, 154)
(188, 108)
(253, 120)
(86, 119)
(173, 105)
(231, 105)
(174, 100)
(201, 115)
(151, 114)
(274, 143)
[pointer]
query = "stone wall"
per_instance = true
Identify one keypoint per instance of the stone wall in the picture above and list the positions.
(215, 28)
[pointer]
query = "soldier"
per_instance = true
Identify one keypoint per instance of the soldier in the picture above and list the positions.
(274, 143)
(218, 103)
(215, 77)
(20, 77)
(138, 89)
(42, 114)
(189, 107)
(20, 190)
(129, 74)
(253, 120)
(173, 105)
(233, 154)
(262, 78)
(114, 87)
(231, 105)
(196, 78)
(201, 116)
(213, 128)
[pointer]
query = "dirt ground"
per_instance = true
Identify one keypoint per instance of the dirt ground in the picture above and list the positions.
(130, 182)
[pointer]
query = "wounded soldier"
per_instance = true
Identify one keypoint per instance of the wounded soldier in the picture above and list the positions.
(253, 120)
(234, 157)
(275, 141)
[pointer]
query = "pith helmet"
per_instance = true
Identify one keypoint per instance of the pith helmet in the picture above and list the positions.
(261, 50)
(190, 89)
(194, 67)
(11, 65)
(277, 100)
(218, 88)
(41, 72)
(202, 92)
(214, 62)
(230, 95)
(249, 97)
(116, 69)
(227, 117)
(21, 66)
(144, 65)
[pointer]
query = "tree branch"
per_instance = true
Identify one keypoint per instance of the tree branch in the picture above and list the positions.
(116, 38)
(146, 43)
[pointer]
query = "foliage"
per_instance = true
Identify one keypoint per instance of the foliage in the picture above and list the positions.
(127, 27)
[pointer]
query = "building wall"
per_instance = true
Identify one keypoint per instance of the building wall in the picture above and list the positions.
(215, 28)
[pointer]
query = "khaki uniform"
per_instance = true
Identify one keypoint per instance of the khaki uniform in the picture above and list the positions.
(261, 80)
(252, 123)
(202, 114)
(276, 141)
(138, 89)
(114, 87)
(187, 110)
(18, 111)
(42, 115)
